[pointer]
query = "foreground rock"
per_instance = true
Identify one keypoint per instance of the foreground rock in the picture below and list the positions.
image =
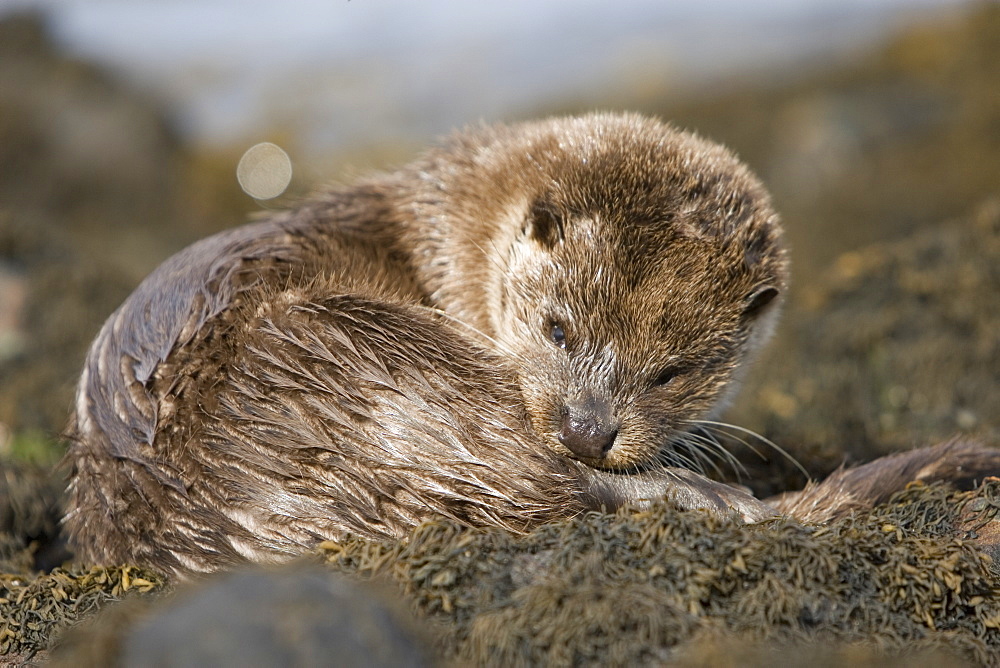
(910, 578)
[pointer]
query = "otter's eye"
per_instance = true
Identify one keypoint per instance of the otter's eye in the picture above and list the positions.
(666, 376)
(557, 334)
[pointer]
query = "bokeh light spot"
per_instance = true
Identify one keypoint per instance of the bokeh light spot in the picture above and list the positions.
(264, 171)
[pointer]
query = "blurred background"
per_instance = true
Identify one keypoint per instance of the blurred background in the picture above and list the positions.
(876, 124)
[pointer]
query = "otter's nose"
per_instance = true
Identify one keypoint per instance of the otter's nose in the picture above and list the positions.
(587, 429)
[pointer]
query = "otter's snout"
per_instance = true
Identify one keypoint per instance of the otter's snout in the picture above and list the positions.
(587, 428)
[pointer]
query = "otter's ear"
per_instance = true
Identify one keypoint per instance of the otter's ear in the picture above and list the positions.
(758, 300)
(543, 224)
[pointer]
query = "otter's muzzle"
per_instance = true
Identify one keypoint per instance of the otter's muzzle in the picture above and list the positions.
(588, 429)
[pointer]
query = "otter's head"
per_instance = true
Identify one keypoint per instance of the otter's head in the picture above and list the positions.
(646, 268)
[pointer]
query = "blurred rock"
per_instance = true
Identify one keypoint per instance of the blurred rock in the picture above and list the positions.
(94, 193)
(896, 346)
(293, 616)
(873, 146)
(83, 153)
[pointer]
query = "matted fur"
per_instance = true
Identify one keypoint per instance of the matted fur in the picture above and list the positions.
(426, 343)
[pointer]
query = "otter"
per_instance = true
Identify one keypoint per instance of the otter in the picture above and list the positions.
(523, 324)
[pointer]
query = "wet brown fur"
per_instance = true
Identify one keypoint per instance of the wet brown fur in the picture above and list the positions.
(961, 463)
(383, 353)
(648, 245)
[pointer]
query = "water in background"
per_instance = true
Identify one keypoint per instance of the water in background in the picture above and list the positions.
(333, 74)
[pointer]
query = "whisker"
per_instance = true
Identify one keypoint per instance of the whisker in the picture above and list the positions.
(492, 258)
(766, 441)
(694, 452)
(674, 457)
(712, 446)
(709, 429)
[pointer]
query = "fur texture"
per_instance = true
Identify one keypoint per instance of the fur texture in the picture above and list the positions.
(383, 353)
(519, 326)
